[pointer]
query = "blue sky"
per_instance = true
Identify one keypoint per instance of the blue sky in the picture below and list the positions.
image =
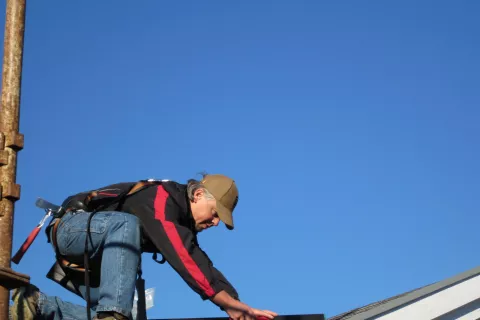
(351, 129)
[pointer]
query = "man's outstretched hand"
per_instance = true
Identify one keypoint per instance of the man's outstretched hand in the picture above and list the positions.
(237, 310)
(250, 314)
(258, 314)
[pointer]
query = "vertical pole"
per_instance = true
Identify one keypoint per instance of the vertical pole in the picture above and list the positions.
(11, 141)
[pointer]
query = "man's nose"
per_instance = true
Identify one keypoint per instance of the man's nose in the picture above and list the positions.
(216, 221)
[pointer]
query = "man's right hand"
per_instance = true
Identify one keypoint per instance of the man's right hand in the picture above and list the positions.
(237, 310)
(250, 314)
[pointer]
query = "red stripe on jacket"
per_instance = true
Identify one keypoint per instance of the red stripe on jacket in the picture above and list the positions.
(176, 240)
(107, 194)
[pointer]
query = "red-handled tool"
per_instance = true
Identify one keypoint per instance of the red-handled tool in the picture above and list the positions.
(28, 242)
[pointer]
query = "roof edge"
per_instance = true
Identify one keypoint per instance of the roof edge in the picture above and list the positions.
(412, 296)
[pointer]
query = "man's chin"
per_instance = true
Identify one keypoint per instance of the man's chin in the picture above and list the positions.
(202, 228)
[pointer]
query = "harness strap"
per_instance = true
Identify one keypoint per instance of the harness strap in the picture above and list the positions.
(139, 185)
(54, 233)
(64, 262)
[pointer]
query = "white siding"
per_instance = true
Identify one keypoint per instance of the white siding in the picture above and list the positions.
(440, 303)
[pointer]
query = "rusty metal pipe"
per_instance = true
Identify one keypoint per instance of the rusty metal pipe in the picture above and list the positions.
(10, 140)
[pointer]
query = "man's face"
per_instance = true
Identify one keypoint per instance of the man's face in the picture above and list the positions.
(204, 212)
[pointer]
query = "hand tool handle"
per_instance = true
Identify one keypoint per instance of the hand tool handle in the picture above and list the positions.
(18, 256)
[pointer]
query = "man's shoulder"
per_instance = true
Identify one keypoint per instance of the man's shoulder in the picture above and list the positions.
(170, 188)
(173, 187)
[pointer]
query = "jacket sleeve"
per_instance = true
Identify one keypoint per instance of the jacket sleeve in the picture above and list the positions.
(179, 247)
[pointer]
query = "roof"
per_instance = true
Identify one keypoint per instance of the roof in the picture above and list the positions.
(380, 307)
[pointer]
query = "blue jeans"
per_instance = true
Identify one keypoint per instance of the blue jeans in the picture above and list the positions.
(115, 247)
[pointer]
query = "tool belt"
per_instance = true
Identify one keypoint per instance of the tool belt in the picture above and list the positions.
(66, 273)
(79, 205)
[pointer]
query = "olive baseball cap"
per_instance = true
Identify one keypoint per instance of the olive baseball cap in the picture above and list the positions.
(225, 192)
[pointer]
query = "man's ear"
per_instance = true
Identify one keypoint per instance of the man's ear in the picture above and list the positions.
(198, 194)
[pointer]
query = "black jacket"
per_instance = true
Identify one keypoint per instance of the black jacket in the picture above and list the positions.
(168, 228)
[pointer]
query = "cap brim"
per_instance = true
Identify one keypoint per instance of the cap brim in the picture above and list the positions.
(225, 215)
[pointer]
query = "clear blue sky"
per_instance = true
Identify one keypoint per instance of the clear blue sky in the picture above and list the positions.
(351, 129)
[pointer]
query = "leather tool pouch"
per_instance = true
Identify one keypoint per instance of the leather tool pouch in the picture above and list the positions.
(71, 278)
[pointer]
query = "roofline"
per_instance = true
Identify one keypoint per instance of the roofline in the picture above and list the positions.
(415, 295)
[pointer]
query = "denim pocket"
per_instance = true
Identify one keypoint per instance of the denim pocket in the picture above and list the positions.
(78, 222)
(72, 232)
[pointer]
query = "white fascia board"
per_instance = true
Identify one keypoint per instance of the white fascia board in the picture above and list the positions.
(439, 303)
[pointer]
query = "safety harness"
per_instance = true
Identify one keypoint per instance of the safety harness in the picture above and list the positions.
(67, 267)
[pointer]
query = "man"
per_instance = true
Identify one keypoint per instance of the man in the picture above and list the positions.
(150, 216)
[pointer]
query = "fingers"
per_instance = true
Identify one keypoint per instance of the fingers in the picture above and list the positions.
(265, 314)
(274, 314)
(254, 314)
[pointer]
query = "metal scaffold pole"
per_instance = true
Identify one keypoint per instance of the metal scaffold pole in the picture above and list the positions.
(11, 141)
